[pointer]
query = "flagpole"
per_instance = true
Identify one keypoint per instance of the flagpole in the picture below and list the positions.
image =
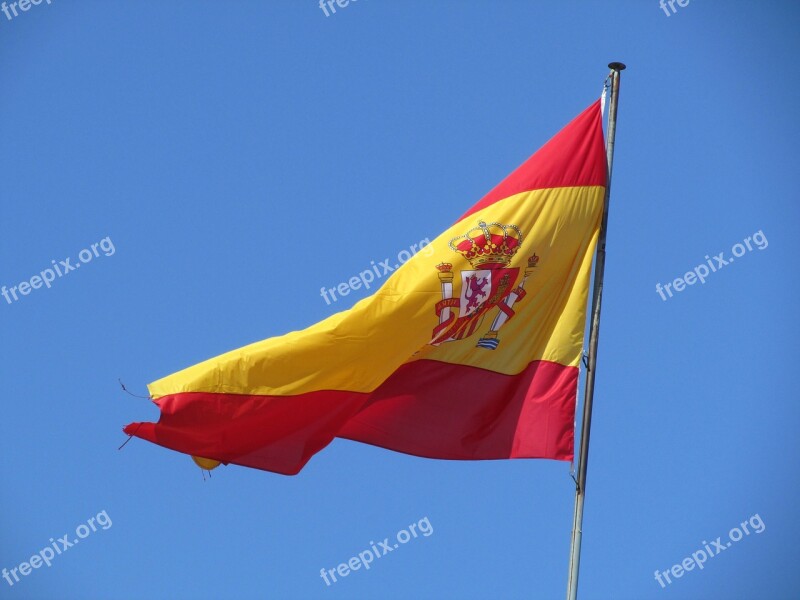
(594, 335)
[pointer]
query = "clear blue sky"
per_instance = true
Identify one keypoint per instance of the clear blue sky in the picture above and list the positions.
(242, 155)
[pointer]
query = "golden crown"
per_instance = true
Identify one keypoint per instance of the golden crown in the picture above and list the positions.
(489, 246)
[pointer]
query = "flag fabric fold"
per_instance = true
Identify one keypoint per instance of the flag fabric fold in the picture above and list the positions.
(469, 351)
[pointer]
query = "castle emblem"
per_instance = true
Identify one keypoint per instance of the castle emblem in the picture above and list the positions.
(489, 249)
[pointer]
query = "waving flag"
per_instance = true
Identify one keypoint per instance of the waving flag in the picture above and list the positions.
(469, 351)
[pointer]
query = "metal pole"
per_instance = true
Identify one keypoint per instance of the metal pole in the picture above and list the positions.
(597, 297)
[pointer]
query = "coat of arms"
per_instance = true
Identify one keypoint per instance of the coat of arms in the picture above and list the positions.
(489, 249)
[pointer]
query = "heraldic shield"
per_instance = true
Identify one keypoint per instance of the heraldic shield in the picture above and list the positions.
(489, 249)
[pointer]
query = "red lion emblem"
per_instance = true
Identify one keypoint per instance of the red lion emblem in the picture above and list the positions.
(475, 292)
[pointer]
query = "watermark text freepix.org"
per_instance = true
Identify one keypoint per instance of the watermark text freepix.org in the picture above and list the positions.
(10, 8)
(365, 278)
(702, 271)
(698, 558)
(56, 548)
(365, 558)
(663, 4)
(60, 268)
(329, 6)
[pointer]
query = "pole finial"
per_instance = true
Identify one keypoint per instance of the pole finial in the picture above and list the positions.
(617, 66)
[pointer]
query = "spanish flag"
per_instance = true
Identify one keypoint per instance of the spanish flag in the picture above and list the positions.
(469, 351)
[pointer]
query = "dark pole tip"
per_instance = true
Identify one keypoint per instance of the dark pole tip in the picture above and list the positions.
(617, 66)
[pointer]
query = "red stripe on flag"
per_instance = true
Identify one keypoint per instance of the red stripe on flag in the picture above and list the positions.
(442, 410)
(573, 157)
(272, 433)
(426, 408)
